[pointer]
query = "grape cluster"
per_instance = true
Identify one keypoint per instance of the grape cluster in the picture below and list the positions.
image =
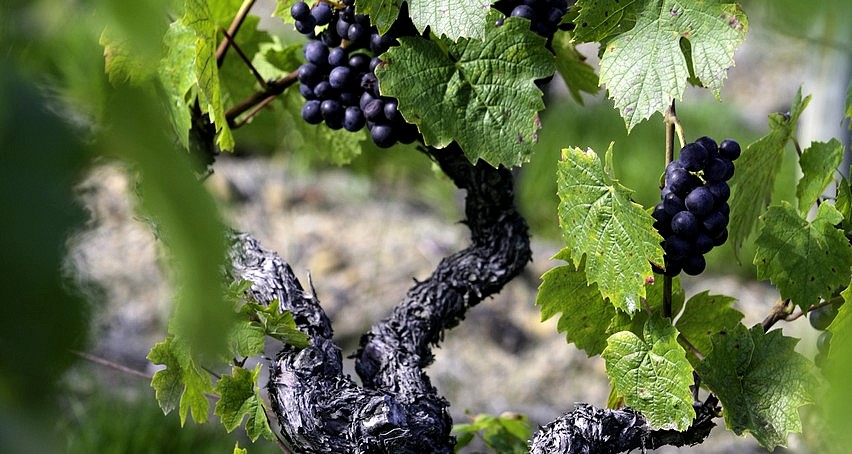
(820, 318)
(338, 80)
(544, 15)
(692, 216)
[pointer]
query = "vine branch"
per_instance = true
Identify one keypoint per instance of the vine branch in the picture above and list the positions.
(232, 31)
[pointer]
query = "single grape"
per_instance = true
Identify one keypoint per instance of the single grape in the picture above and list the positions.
(673, 204)
(379, 44)
(730, 149)
(694, 265)
(685, 224)
(674, 165)
(714, 223)
(693, 156)
(383, 135)
(391, 110)
(311, 112)
(300, 11)
(721, 238)
(716, 169)
(307, 91)
(554, 15)
(703, 243)
(366, 97)
(321, 13)
(360, 63)
(679, 181)
(353, 119)
(309, 74)
(822, 316)
(357, 32)
(340, 77)
(824, 342)
(720, 191)
(342, 27)
(374, 110)
(331, 110)
(710, 145)
(348, 98)
(337, 57)
(676, 247)
(316, 53)
(524, 11)
(700, 201)
(725, 209)
(324, 90)
(330, 38)
(374, 62)
(306, 26)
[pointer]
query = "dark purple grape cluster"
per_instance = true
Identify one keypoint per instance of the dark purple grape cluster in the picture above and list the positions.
(338, 80)
(693, 214)
(544, 15)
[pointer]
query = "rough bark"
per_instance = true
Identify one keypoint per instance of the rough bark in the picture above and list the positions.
(396, 409)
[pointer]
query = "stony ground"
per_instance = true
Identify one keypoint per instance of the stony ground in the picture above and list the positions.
(362, 246)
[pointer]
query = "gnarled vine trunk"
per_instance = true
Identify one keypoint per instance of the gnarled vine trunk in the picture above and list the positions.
(396, 409)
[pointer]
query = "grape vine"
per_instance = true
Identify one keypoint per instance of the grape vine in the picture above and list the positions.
(463, 83)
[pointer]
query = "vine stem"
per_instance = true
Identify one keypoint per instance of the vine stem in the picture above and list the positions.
(273, 89)
(672, 125)
(110, 364)
(232, 31)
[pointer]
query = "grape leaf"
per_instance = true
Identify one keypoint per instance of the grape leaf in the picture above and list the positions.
(246, 338)
(585, 315)
(238, 449)
(453, 19)
(819, 162)
(598, 21)
(452, 91)
(760, 380)
(644, 69)
(507, 433)
(382, 13)
(705, 315)
(181, 384)
(179, 42)
(276, 323)
(751, 186)
(805, 260)
(198, 18)
(578, 75)
(124, 61)
(844, 202)
(239, 397)
(848, 114)
(652, 374)
(841, 326)
(599, 220)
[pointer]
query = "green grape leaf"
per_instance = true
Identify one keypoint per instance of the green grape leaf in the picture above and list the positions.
(450, 91)
(848, 115)
(705, 315)
(819, 162)
(507, 433)
(124, 61)
(652, 374)
(246, 338)
(805, 260)
(198, 18)
(599, 220)
(277, 324)
(751, 186)
(181, 384)
(598, 21)
(240, 397)
(238, 449)
(453, 19)
(644, 69)
(382, 13)
(841, 326)
(578, 75)
(760, 380)
(844, 202)
(585, 315)
(179, 42)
